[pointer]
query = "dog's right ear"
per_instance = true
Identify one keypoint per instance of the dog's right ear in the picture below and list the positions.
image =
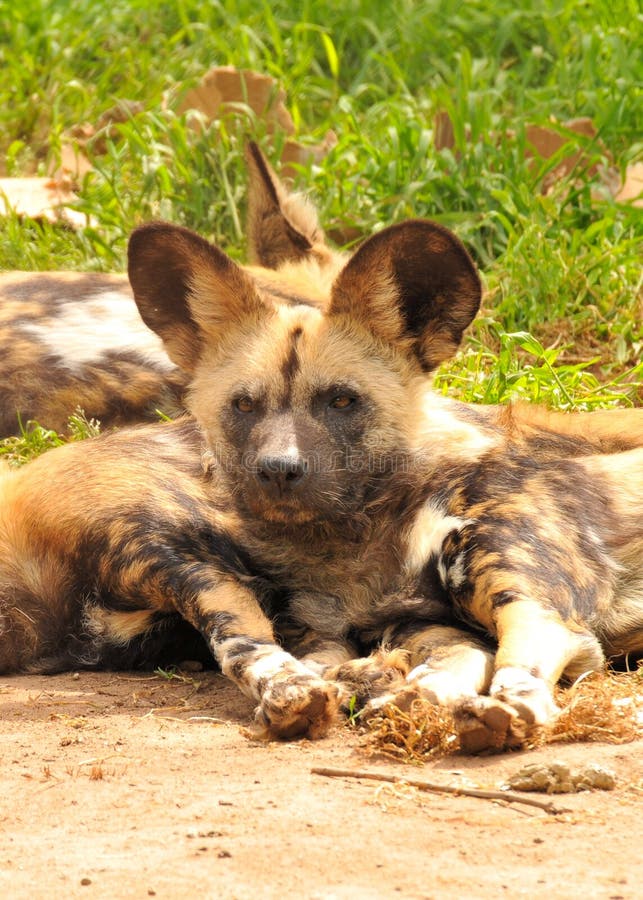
(282, 226)
(187, 290)
(414, 285)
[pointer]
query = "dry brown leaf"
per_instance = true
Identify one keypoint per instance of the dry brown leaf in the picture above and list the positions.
(547, 141)
(543, 143)
(225, 89)
(74, 162)
(121, 112)
(295, 154)
(73, 165)
(443, 133)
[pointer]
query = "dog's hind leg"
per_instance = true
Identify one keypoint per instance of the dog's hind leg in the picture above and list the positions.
(443, 664)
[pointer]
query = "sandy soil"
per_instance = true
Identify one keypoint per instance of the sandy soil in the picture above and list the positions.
(134, 786)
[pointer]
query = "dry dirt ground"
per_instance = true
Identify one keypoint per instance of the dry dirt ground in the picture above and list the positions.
(135, 786)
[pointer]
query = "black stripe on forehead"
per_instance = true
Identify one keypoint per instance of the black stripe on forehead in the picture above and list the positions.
(291, 363)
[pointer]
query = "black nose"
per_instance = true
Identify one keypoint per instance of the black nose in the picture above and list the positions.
(281, 474)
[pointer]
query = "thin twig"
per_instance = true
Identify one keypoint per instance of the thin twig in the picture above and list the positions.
(547, 805)
(214, 719)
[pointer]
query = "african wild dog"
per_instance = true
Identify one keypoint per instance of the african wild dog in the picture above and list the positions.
(324, 502)
(74, 339)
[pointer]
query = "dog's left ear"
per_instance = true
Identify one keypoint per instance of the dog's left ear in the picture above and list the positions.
(282, 226)
(414, 285)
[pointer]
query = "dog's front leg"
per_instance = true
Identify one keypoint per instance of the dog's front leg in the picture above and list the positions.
(293, 700)
(535, 648)
(448, 663)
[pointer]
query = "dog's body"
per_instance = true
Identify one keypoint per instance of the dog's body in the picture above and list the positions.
(328, 502)
(71, 340)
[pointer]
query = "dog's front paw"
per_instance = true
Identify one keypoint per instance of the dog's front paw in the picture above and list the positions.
(487, 725)
(517, 705)
(365, 679)
(402, 699)
(529, 695)
(296, 706)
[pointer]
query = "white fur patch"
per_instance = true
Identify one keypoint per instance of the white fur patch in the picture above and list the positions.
(456, 575)
(85, 330)
(516, 680)
(266, 663)
(442, 417)
(426, 536)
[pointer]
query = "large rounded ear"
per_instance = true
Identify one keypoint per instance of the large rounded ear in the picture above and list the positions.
(187, 290)
(412, 284)
(282, 226)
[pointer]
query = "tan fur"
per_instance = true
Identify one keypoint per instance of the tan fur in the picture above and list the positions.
(324, 504)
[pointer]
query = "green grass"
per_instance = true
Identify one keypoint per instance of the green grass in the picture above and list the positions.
(34, 439)
(563, 316)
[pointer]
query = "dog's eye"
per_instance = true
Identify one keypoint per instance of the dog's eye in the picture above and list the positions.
(342, 401)
(244, 404)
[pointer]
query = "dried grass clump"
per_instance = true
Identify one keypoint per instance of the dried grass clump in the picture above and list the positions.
(415, 734)
(601, 706)
(604, 707)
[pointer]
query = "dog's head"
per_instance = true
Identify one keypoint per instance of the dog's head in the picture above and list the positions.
(305, 369)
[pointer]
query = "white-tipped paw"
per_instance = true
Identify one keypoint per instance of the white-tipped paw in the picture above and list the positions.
(529, 695)
(296, 706)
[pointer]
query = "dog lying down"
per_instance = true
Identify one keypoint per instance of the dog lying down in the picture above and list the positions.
(322, 524)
